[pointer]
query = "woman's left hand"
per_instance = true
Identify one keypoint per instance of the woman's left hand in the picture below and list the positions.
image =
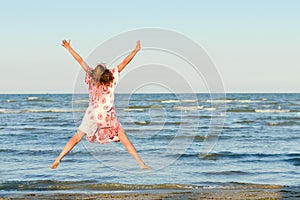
(138, 45)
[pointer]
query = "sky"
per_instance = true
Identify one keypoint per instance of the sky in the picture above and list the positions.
(254, 44)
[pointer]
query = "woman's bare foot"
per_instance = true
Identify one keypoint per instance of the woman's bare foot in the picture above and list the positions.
(145, 167)
(55, 164)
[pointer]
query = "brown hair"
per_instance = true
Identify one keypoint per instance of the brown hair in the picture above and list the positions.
(101, 75)
(106, 78)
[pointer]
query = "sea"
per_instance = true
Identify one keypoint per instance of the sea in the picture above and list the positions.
(192, 141)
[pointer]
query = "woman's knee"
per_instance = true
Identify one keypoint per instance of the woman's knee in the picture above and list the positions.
(122, 135)
(121, 131)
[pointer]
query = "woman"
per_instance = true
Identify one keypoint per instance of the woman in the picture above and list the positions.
(100, 123)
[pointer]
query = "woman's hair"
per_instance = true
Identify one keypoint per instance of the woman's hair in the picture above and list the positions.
(101, 75)
(106, 78)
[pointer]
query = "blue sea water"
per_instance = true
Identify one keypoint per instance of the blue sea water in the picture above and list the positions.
(258, 143)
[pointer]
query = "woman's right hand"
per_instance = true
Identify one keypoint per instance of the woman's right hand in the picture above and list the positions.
(66, 44)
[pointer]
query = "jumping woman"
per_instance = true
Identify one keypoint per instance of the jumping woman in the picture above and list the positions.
(100, 123)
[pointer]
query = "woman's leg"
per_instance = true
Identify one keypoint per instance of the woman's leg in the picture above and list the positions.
(130, 148)
(69, 146)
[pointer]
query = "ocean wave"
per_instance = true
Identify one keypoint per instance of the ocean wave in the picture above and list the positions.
(240, 110)
(293, 104)
(199, 116)
(271, 111)
(134, 109)
(81, 101)
(259, 110)
(179, 101)
(88, 185)
(32, 98)
(183, 108)
(15, 111)
(91, 185)
(10, 100)
(212, 101)
(194, 137)
(209, 109)
(38, 99)
(286, 123)
(228, 173)
(245, 122)
(189, 100)
(29, 128)
(231, 155)
(231, 101)
(188, 107)
(170, 101)
(294, 161)
(146, 122)
(140, 108)
(9, 111)
(240, 185)
(8, 151)
(171, 137)
(142, 122)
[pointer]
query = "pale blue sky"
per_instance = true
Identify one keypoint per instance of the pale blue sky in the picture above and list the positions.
(255, 44)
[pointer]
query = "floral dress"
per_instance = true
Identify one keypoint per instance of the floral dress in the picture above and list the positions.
(100, 121)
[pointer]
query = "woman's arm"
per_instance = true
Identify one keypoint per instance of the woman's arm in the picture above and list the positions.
(77, 57)
(128, 58)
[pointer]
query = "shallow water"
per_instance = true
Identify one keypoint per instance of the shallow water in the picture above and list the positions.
(259, 142)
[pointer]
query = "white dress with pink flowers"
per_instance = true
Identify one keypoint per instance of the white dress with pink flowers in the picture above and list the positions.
(100, 121)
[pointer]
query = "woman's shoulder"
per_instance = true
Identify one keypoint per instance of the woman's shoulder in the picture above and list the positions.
(116, 74)
(115, 70)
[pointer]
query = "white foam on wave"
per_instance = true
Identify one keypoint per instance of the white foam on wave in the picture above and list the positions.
(170, 101)
(142, 122)
(193, 108)
(134, 109)
(8, 111)
(81, 101)
(189, 100)
(209, 109)
(230, 101)
(247, 101)
(214, 101)
(9, 100)
(188, 107)
(178, 101)
(32, 98)
(272, 111)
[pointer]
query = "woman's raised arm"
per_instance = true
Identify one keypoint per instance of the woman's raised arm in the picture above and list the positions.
(128, 58)
(77, 57)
